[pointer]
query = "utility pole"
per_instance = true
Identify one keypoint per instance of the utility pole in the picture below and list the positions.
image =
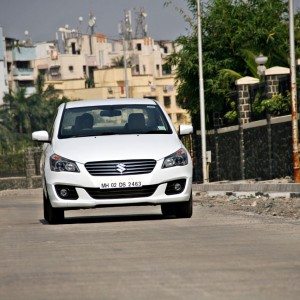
(201, 94)
(92, 23)
(125, 31)
(295, 131)
(125, 68)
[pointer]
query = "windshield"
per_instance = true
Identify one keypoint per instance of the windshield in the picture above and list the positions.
(113, 119)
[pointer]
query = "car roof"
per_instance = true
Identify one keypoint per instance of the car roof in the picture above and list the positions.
(85, 103)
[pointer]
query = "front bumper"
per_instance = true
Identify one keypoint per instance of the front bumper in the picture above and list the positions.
(83, 181)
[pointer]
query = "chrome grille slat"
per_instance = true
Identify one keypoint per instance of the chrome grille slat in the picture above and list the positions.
(109, 168)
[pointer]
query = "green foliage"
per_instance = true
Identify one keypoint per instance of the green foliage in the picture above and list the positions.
(12, 164)
(21, 115)
(231, 115)
(234, 32)
(275, 106)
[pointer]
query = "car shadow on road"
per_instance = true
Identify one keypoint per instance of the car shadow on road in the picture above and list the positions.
(110, 218)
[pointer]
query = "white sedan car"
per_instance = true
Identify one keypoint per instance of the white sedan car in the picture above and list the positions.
(112, 153)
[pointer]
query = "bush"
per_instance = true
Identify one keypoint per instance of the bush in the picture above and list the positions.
(13, 164)
(277, 105)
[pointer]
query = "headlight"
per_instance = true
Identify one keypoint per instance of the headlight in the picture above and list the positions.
(61, 164)
(179, 158)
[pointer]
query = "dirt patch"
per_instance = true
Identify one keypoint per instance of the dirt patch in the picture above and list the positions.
(284, 207)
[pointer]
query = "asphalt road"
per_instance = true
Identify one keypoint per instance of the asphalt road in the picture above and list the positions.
(132, 253)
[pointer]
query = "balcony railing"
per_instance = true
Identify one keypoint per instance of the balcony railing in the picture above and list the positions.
(23, 72)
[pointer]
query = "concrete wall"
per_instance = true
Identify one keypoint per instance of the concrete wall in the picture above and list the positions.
(31, 178)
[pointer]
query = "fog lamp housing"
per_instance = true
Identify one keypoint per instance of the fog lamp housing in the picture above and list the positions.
(66, 192)
(175, 187)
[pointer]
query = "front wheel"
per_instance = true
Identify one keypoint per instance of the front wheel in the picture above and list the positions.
(52, 215)
(180, 209)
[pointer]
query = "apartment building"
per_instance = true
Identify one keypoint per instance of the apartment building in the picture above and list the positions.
(3, 67)
(19, 65)
(94, 59)
(91, 66)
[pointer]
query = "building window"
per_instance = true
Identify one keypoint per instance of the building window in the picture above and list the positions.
(166, 69)
(25, 83)
(55, 71)
(144, 69)
(157, 67)
(42, 72)
(23, 64)
(166, 49)
(167, 101)
(73, 46)
(137, 68)
(139, 47)
(179, 117)
(71, 69)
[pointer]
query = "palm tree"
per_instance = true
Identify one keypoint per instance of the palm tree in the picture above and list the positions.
(15, 112)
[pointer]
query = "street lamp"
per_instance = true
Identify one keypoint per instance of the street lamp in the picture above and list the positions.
(201, 94)
(261, 61)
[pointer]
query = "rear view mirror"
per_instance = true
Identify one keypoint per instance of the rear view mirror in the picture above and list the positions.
(110, 113)
(41, 136)
(185, 129)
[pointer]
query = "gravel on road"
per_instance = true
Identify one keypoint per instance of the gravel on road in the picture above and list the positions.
(259, 204)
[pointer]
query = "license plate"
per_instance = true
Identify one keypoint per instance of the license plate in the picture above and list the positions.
(120, 185)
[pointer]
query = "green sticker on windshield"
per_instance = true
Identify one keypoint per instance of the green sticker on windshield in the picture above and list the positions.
(161, 128)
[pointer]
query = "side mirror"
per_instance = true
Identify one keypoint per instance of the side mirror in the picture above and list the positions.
(41, 136)
(185, 129)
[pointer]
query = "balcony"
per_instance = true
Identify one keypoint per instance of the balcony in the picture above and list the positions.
(23, 54)
(23, 73)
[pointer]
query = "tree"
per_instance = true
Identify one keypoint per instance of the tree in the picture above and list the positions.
(21, 115)
(15, 112)
(43, 105)
(234, 32)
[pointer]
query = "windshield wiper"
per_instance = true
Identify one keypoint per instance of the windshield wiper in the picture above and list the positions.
(88, 134)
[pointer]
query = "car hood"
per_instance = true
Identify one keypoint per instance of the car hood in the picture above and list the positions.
(117, 147)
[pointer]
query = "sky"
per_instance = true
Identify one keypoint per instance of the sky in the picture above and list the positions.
(42, 18)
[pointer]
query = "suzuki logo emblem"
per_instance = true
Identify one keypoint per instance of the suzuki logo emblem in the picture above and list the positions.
(121, 168)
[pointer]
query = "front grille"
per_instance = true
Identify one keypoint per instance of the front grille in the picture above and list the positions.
(141, 192)
(120, 167)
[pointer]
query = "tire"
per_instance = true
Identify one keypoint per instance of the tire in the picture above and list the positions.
(179, 209)
(185, 209)
(52, 215)
(168, 209)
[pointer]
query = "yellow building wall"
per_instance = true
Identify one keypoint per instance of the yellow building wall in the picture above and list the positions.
(109, 83)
